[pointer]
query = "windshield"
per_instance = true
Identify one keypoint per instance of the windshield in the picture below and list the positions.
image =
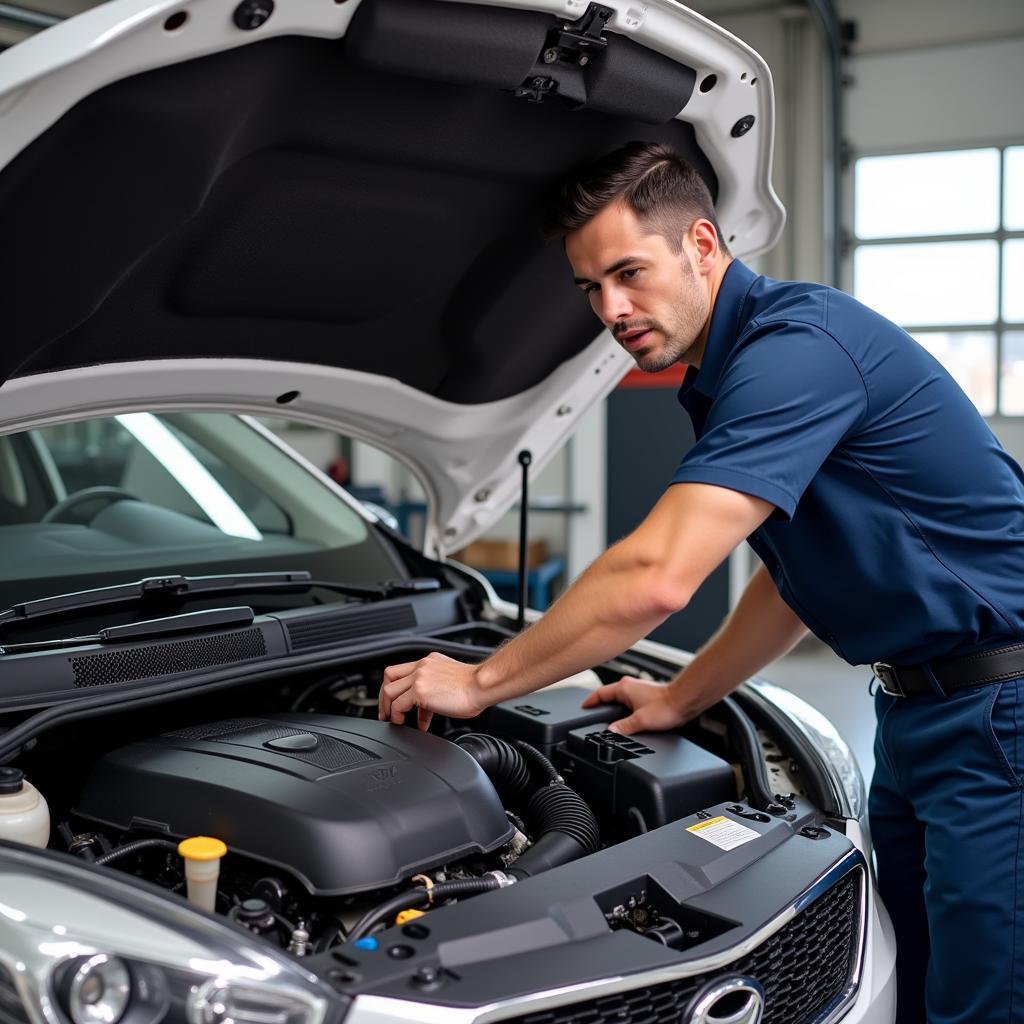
(108, 500)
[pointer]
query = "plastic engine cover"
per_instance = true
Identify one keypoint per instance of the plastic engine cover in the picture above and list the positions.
(345, 804)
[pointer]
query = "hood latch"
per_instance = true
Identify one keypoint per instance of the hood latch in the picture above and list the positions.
(568, 50)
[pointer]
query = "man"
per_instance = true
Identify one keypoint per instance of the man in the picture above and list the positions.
(888, 520)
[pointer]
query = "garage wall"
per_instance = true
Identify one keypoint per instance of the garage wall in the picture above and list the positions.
(787, 37)
(925, 76)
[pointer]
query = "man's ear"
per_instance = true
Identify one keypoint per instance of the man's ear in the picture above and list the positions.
(705, 243)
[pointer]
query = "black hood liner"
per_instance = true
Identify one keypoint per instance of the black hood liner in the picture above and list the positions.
(284, 200)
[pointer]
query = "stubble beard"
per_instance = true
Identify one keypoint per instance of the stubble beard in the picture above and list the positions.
(681, 330)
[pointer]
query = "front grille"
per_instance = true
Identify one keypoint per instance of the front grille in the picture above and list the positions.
(804, 968)
(11, 1009)
(168, 659)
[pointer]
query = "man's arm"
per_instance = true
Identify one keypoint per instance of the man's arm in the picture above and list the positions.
(761, 628)
(627, 592)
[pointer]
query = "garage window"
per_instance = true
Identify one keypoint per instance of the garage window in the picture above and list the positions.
(939, 249)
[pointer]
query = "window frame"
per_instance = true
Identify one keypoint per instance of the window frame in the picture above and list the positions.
(851, 243)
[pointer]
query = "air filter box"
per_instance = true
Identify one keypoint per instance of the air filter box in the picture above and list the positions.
(545, 718)
(653, 777)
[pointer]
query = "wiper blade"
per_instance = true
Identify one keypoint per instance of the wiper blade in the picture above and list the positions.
(189, 586)
(187, 622)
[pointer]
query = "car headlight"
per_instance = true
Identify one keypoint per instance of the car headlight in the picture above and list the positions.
(824, 742)
(99, 990)
(81, 946)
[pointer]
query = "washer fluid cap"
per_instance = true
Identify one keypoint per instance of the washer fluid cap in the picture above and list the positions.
(297, 741)
(12, 780)
(202, 848)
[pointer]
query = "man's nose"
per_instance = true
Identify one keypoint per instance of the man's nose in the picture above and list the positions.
(615, 305)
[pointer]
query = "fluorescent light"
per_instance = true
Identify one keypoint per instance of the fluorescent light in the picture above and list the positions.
(191, 474)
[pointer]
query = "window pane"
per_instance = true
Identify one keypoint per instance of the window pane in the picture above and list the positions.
(1013, 202)
(927, 194)
(921, 284)
(1013, 281)
(970, 359)
(1013, 373)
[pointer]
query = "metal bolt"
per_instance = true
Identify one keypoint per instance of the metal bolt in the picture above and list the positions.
(584, 60)
(742, 126)
(250, 14)
(482, 495)
(550, 55)
(450, 531)
(563, 410)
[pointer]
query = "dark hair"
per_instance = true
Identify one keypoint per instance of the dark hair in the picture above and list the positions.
(658, 185)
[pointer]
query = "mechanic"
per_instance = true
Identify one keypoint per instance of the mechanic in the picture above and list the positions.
(888, 519)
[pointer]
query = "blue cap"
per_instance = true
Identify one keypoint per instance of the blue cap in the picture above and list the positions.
(368, 943)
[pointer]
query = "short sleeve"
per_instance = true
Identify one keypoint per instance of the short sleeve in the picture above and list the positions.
(785, 400)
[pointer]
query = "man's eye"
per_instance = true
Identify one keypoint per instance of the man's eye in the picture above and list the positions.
(589, 289)
(630, 273)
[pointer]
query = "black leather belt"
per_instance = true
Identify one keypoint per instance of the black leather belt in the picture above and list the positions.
(943, 676)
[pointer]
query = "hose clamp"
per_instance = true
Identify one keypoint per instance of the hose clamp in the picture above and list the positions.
(503, 880)
(428, 884)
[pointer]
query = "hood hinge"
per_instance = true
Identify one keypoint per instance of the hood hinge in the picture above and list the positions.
(568, 49)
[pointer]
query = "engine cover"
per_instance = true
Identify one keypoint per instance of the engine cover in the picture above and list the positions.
(344, 804)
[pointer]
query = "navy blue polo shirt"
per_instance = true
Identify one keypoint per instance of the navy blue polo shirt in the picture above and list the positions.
(898, 530)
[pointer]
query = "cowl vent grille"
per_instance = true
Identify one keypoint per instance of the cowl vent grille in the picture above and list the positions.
(320, 630)
(168, 659)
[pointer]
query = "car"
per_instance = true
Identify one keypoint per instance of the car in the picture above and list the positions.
(217, 212)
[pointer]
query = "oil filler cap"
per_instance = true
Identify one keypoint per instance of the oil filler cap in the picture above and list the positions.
(297, 741)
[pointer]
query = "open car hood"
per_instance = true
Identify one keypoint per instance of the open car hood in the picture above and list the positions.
(331, 212)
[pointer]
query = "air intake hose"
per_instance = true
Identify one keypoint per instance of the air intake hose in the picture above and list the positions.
(567, 827)
(502, 764)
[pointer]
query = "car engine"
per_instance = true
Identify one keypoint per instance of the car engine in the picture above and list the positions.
(345, 805)
(333, 823)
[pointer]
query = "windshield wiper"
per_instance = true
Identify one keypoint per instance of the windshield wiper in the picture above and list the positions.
(187, 622)
(189, 586)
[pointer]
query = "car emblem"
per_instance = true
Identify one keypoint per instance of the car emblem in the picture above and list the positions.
(733, 1000)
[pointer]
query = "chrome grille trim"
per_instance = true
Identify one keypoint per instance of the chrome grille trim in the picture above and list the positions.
(369, 1009)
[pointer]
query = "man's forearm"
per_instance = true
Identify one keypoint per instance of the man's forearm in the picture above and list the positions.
(632, 588)
(761, 628)
(616, 602)
(629, 590)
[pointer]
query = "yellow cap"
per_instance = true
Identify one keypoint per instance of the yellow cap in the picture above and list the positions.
(405, 916)
(201, 848)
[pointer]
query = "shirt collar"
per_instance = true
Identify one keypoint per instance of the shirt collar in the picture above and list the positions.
(725, 328)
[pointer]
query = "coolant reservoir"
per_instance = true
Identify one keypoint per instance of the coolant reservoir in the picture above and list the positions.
(24, 816)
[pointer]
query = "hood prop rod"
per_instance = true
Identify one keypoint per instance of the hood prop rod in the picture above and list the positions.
(525, 458)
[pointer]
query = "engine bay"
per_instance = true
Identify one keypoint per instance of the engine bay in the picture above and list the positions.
(335, 824)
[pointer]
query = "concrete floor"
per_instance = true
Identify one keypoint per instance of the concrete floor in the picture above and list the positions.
(837, 690)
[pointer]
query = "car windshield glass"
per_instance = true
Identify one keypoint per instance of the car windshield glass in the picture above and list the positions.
(101, 501)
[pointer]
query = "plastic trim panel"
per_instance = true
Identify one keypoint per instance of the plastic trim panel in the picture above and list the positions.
(369, 1009)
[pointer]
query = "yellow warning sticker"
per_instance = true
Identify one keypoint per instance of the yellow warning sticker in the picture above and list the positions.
(725, 833)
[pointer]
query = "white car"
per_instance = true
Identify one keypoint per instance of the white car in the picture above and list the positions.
(326, 209)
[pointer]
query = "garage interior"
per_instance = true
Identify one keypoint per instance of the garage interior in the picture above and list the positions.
(870, 95)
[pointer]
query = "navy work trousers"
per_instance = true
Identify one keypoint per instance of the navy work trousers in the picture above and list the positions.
(945, 817)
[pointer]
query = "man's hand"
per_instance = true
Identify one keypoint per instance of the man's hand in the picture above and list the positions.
(435, 683)
(655, 706)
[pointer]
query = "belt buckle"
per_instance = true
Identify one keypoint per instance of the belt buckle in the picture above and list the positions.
(886, 675)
